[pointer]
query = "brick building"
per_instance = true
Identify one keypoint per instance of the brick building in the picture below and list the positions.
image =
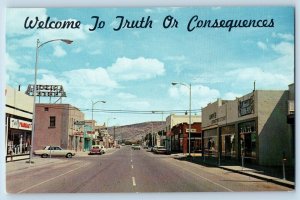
(59, 124)
(180, 137)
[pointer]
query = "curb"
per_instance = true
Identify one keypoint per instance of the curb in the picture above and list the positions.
(275, 180)
(263, 177)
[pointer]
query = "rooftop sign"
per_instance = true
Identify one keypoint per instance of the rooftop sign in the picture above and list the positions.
(46, 90)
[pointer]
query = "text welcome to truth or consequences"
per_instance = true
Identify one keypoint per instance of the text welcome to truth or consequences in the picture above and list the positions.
(169, 22)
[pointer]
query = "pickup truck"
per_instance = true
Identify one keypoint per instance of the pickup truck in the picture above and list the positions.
(54, 151)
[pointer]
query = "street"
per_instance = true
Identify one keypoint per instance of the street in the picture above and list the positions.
(126, 170)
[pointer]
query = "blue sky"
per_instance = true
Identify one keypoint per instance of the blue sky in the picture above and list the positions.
(132, 69)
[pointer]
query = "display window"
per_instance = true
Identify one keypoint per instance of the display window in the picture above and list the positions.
(18, 142)
(248, 140)
(210, 142)
(228, 147)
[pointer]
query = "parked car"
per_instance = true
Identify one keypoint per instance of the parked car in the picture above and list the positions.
(154, 149)
(96, 149)
(54, 151)
(149, 149)
(161, 150)
(118, 146)
(135, 147)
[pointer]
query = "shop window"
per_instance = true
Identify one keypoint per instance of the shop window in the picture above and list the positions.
(248, 139)
(228, 139)
(52, 121)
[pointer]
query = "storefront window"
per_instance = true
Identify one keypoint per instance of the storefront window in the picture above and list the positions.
(18, 142)
(228, 141)
(248, 138)
(210, 140)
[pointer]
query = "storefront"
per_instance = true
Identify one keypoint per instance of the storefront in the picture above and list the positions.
(18, 138)
(210, 142)
(228, 142)
(196, 142)
(248, 141)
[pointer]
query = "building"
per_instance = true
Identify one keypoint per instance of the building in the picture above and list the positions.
(252, 128)
(88, 136)
(59, 124)
(18, 124)
(180, 138)
(173, 120)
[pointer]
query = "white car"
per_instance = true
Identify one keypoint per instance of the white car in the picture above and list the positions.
(54, 151)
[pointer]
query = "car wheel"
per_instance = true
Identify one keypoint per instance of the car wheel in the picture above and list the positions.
(69, 155)
(44, 155)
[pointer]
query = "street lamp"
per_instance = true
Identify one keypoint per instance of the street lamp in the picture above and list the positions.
(39, 45)
(162, 119)
(93, 103)
(107, 120)
(190, 109)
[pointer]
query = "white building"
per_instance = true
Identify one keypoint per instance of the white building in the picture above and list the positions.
(18, 124)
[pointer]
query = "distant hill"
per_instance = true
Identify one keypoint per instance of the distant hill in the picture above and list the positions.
(135, 132)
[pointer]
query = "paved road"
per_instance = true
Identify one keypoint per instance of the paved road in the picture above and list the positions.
(127, 170)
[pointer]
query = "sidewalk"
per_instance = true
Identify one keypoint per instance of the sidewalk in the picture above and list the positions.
(36, 162)
(269, 174)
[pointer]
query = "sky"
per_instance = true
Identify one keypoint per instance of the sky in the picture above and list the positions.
(132, 69)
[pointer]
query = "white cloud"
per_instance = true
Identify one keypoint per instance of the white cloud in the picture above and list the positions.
(284, 48)
(51, 79)
(59, 51)
(122, 95)
(201, 95)
(262, 45)
(77, 50)
(16, 19)
(264, 80)
(208, 78)
(284, 36)
(231, 96)
(136, 69)
(10, 64)
(90, 77)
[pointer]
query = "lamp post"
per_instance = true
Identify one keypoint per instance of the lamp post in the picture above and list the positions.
(107, 120)
(162, 121)
(93, 103)
(190, 109)
(38, 46)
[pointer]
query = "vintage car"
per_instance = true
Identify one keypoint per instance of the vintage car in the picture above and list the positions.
(54, 151)
(97, 149)
(161, 150)
(135, 147)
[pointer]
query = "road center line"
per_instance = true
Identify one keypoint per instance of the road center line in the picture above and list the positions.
(204, 178)
(133, 181)
(131, 166)
(51, 179)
